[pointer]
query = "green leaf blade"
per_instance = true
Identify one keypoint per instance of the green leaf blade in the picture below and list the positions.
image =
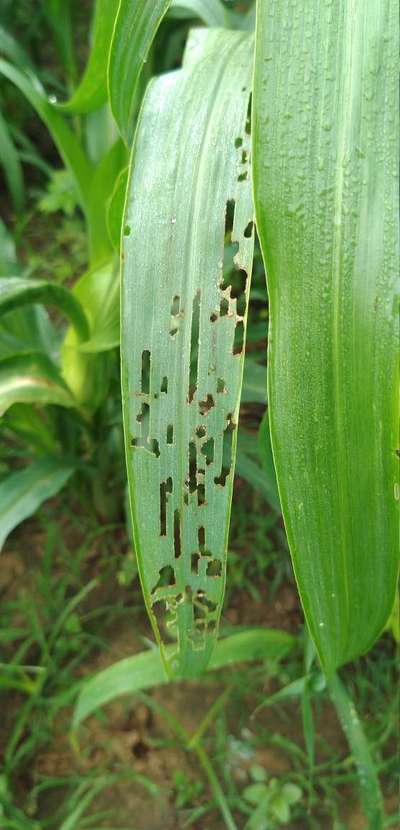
(135, 29)
(21, 493)
(31, 378)
(326, 214)
(145, 670)
(181, 362)
(16, 292)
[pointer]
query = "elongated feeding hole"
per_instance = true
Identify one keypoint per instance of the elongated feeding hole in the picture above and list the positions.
(127, 230)
(243, 177)
(245, 157)
(221, 387)
(208, 450)
(166, 578)
(192, 467)
(177, 534)
(226, 452)
(175, 305)
(229, 218)
(170, 434)
(206, 405)
(145, 385)
(248, 116)
(224, 307)
(173, 331)
(249, 230)
(165, 490)
(143, 413)
(238, 340)
(194, 347)
(201, 494)
(213, 317)
(194, 563)
(238, 142)
(154, 447)
(201, 535)
(164, 384)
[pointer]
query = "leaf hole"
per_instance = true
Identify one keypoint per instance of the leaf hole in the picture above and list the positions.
(201, 431)
(177, 534)
(164, 384)
(248, 116)
(206, 405)
(238, 341)
(166, 577)
(175, 305)
(208, 450)
(165, 491)
(249, 230)
(214, 568)
(145, 384)
(221, 386)
(170, 434)
(127, 230)
(238, 142)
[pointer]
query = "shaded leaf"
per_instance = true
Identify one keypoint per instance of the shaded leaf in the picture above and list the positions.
(21, 493)
(18, 291)
(67, 143)
(31, 378)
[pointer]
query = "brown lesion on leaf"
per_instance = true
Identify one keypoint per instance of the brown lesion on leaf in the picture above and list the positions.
(206, 405)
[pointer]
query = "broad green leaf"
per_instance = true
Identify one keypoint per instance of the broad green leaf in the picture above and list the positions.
(370, 791)
(59, 15)
(135, 29)
(145, 670)
(11, 165)
(31, 378)
(87, 373)
(18, 291)
(254, 382)
(21, 493)
(325, 153)
(92, 90)
(249, 466)
(211, 12)
(189, 207)
(67, 143)
(99, 295)
(99, 195)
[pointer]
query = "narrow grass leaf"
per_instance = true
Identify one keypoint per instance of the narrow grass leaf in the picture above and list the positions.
(10, 162)
(188, 250)
(145, 670)
(325, 155)
(22, 493)
(66, 141)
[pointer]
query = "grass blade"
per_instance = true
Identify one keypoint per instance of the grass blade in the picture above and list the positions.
(326, 202)
(183, 330)
(67, 143)
(145, 670)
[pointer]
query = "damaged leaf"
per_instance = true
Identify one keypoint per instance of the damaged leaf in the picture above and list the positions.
(187, 253)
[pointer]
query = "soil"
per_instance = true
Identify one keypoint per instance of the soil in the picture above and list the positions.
(128, 736)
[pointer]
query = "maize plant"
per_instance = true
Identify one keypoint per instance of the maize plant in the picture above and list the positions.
(282, 122)
(291, 130)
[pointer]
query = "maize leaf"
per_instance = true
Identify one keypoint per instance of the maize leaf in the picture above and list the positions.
(187, 253)
(325, 154)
